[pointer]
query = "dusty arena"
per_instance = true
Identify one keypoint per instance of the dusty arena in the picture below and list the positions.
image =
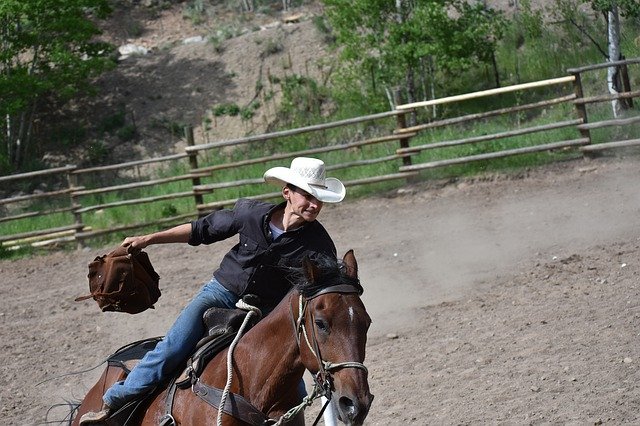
(501, 300)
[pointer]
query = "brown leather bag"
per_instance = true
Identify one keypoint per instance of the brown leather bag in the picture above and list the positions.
(123, 281)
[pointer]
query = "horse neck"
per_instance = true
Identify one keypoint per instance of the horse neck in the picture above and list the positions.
(267, 365)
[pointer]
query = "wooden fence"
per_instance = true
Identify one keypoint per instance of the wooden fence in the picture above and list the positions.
(214, 175)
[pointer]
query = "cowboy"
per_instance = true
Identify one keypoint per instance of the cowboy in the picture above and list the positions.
(271, 239)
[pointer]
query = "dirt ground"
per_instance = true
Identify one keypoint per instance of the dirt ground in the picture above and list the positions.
(503, 300)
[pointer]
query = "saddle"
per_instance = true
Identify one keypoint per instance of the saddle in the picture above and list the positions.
(222, 326)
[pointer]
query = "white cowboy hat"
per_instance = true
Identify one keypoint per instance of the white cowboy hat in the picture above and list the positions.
(308, 174)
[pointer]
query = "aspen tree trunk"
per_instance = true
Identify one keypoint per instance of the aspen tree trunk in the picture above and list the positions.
(613, 36)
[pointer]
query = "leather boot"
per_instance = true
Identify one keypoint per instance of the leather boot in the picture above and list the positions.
(95, 417)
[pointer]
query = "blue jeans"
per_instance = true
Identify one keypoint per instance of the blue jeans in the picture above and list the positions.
(172, 351)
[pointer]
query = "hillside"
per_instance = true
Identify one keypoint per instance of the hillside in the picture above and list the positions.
(192, 63)
(189, 69)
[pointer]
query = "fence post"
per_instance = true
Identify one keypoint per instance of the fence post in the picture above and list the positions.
(626, 84)
(72, 182)
(193, 163)
(401, 120)
(581, 108)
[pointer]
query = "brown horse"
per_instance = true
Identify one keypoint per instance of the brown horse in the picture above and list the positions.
(321, 326)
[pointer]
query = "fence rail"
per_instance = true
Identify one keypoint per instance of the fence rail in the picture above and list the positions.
(401, 152)
(494, 155)
(490, 92)
(37, 173)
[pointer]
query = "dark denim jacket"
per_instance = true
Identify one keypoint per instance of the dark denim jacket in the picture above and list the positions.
(257, 264)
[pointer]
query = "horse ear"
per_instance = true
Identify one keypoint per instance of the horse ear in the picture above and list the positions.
(349, 260)
(311, 271)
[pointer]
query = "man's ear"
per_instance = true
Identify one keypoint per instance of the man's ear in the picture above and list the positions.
(286, 192)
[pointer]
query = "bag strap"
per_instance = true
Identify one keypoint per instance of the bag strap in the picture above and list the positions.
(80, 298)
(124, 250)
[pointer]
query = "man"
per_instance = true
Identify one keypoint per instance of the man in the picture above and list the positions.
(272, 238)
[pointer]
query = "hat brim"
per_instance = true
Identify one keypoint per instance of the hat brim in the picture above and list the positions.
(334, 192)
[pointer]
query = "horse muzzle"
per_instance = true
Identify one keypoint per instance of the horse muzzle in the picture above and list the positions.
(353, 411)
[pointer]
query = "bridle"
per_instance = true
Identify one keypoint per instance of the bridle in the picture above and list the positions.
(323, 379)
(325, 367)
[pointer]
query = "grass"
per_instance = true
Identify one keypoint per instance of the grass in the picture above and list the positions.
(304, 100)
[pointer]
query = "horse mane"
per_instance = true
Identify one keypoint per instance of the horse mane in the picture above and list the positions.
(331, 272)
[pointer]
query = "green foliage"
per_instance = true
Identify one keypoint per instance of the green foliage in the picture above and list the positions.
(116, 123)
(174, 128)
(579, 26)
(627, 8)
(528, 22)
(127, 132)
(320, 23)
(97, 152)
(230, 109)
(249, 111)
(195, 11)
(217, 44)
(388, 41)
(112, 122)
(302, 100)
(67, 135)
(133, 28)
(233, 110)
(223, 32)
(535, 44)
(271, 47)
(585, 28)
(24, 251)
(4, 252)
(48, 49)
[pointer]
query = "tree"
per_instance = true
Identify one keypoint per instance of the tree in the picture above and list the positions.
(393, 41)
(610, 10)
(47, 49)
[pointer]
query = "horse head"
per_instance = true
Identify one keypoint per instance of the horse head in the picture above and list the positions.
(332, 333)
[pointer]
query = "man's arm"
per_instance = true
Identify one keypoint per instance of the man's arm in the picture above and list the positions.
(177, 234)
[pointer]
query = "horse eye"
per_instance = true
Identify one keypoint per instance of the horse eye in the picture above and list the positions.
(322, 325)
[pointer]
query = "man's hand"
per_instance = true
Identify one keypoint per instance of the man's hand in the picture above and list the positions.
(136, 243)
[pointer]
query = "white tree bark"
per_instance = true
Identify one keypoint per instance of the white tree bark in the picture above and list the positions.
(613, 35)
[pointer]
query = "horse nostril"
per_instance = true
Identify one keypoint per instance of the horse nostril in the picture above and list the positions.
(348, 408)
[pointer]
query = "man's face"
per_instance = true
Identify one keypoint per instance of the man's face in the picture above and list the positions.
(303, 204)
